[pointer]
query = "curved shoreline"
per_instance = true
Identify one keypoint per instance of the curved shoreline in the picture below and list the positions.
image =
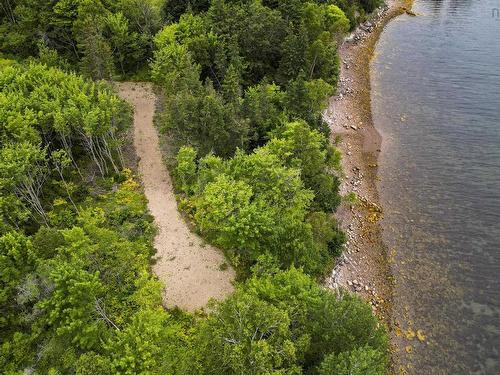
(365, 266)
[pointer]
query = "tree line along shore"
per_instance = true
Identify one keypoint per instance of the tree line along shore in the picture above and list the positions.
(242, 87)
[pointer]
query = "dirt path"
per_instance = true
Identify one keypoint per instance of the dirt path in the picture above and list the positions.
(188, 267)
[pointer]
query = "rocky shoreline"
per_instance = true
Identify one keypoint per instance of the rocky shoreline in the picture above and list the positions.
(364, 267)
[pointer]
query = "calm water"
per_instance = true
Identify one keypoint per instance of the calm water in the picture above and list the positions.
(436, 101)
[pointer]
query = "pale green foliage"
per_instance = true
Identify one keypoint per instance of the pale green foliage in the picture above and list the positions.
(336, 20)
(284, 323)
(78, 287)
(181, 48)
(186, 169)
(225, 214)
(257, 203)
(254, 208)
(174, 69)
(76, 291)
(70, 308)
(49, 99)
(247, 336)
(311, 44)
(324, 61)
(120, 38)
(151, 343)
(318, 18)
(303, 148)
(22, 174)
(166, 36)
(46, 108)
(318, 92)
(360, 361)
(91, 363)
(16, 258)
(205, 47)
(48, 56)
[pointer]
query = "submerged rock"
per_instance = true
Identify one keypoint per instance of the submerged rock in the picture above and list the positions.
(409, 12)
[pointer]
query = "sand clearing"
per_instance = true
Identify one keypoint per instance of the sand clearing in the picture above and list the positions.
(188, 268)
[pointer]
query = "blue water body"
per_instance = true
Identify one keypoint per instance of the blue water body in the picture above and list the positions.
(436, 101)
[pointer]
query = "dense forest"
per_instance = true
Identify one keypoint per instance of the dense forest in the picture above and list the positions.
(242, 85)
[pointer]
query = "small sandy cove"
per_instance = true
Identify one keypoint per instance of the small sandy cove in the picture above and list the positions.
(189, 268)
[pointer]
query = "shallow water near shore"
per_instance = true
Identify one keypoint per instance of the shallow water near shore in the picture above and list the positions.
(436, 101)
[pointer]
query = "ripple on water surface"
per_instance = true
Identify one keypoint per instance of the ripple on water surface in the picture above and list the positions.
(436, 101)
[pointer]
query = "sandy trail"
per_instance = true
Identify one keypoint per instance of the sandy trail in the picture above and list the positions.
(188, 268)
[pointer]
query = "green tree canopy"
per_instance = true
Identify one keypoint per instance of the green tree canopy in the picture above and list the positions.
(284, 323)
(259, 202)
(45, 112)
